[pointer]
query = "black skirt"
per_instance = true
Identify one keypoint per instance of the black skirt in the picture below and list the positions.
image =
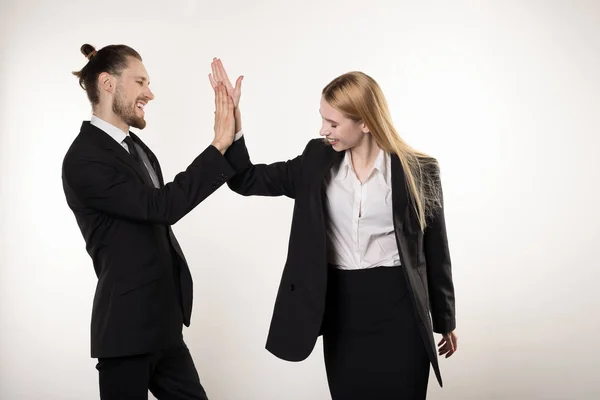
(372, 346)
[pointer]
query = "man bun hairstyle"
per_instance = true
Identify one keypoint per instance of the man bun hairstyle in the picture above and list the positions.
(112, 59)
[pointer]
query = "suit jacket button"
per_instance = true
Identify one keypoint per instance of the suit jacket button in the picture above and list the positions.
(292, 287)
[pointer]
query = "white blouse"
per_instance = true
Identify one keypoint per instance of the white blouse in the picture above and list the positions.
(360, 231)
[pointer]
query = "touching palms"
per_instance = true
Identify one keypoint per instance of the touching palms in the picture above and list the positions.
(219, 75)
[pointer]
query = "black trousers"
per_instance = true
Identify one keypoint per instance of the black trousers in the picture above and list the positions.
(372, 346)
(169, 374)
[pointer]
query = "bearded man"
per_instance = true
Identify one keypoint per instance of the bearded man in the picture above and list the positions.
(114, 186)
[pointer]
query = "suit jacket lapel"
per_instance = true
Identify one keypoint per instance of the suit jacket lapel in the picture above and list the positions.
(104, 141)
(151, 157)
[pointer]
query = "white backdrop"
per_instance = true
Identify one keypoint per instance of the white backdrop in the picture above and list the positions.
(505, 94)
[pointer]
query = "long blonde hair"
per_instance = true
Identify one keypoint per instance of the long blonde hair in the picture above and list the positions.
(359, 97)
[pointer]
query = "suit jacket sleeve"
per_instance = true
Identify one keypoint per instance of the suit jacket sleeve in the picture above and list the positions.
(276, 179)
(97, 183)
(439, 269)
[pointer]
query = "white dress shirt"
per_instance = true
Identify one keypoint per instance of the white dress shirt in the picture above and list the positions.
(111, 130)
(360, 230)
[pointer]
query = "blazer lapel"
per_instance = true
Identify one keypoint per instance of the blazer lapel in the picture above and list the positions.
(103, 140)
(151, 157)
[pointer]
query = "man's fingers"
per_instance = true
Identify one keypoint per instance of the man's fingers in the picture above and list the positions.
(221, 101)
(223, 97)
(230, 107)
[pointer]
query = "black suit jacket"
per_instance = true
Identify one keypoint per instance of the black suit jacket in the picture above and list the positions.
(300, 303)
(144, 291)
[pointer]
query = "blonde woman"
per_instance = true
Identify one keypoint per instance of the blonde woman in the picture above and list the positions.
(368, 263)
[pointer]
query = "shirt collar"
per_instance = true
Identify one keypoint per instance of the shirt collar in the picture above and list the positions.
(344, 167)
(112, 131)
(381, 164)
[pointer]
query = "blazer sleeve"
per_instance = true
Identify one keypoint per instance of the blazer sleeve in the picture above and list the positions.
(276, 179)
(97, 183)
(439, 268)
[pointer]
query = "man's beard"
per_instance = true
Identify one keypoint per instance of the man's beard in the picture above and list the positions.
(127, 113)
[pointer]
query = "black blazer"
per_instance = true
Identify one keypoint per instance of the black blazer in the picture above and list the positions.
(300, 303)
(144, 291)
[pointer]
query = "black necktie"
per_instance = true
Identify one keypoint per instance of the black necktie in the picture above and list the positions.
(134, 153)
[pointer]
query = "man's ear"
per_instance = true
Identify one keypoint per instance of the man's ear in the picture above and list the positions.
(107, 82)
